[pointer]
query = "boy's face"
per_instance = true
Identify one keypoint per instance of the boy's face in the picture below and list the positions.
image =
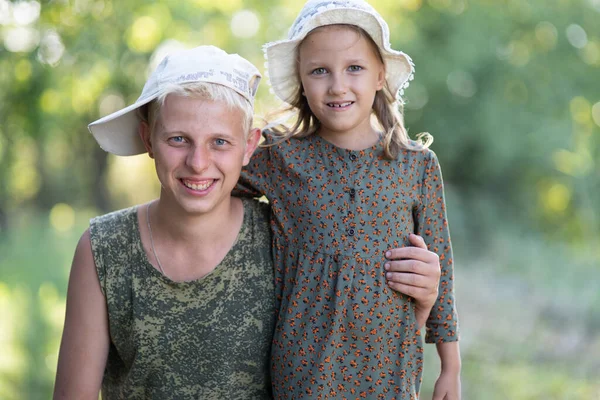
(199, 147)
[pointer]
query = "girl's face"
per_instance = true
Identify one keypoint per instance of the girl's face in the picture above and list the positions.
(199, 147)
(340, 73)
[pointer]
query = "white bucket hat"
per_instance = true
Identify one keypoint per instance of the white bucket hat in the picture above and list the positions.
(117, 133)
(281, 55)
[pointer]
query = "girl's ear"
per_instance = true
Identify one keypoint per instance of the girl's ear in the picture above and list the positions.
(252, 142)
(144, 132)
(381, 77)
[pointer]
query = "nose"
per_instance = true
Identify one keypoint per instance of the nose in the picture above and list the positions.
(198, 158)
(338, 84)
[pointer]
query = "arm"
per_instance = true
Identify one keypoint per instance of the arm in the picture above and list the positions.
(417, 274)
(415, 271)
(442, 321)
(85, 340)
(447, 386)
(442, 324)
(432, 225)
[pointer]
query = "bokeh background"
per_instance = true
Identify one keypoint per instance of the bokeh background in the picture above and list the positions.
(510, 90)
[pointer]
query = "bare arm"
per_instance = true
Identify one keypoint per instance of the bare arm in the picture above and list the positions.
(447, 387)
(85, 340)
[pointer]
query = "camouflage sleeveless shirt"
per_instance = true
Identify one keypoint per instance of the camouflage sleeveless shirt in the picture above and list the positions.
(203, 339)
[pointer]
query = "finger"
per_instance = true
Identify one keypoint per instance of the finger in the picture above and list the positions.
(409, 279)
(422, 286)
(417, 240)
(412, 291)
(411, 252)
(430, 269)
(406, 265)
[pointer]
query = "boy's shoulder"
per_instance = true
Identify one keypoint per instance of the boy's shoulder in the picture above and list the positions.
(258, 207)
(115, 217)
(114, 227)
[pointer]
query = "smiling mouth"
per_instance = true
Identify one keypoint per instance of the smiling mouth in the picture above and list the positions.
(198, 185)
(340, 105)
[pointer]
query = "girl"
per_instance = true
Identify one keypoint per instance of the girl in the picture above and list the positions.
(343, 191)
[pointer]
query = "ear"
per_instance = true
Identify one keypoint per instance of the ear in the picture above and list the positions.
(381, 77)
(144, 132)
(252, 142)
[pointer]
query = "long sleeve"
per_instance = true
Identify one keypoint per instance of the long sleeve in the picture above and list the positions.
(432, 225)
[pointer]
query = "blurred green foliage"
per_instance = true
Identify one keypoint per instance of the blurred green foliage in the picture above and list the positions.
(510, 90)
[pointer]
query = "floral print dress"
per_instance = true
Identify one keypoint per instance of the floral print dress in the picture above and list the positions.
(341, 332)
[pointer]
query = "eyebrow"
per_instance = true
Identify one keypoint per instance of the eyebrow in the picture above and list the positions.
(184, 133)
(357, 61)
(166, 132)
(312, 64)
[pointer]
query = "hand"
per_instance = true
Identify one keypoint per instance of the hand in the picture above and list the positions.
(415, 271)
(447, 386)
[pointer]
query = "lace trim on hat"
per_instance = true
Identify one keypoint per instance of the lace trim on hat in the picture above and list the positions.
(316, 7)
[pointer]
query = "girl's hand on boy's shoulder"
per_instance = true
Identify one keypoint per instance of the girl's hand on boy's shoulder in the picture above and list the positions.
(415, 271)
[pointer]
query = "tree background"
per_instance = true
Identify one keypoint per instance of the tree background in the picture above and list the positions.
(510, 90)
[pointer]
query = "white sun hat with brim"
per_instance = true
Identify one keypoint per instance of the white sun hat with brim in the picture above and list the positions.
(282, 55)
(117, 133)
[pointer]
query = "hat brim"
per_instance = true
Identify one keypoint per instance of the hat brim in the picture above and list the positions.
(117, 133)
(281, 56)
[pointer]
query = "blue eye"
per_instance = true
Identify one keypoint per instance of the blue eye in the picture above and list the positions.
(177, 139)
(220, 142)
(355, 68)
(318, 71)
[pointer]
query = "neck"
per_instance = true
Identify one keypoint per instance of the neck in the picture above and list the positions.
(360, 138)
(181, 226)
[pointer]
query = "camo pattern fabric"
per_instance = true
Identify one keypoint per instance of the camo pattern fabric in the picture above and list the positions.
(202, 339)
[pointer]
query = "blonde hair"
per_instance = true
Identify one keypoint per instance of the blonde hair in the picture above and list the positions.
(386, 108)
(150, 113)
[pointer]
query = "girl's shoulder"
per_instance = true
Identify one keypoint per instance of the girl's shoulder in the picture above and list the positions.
(284, 143)
(270, 137)
(274, 137)
(417, 151)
